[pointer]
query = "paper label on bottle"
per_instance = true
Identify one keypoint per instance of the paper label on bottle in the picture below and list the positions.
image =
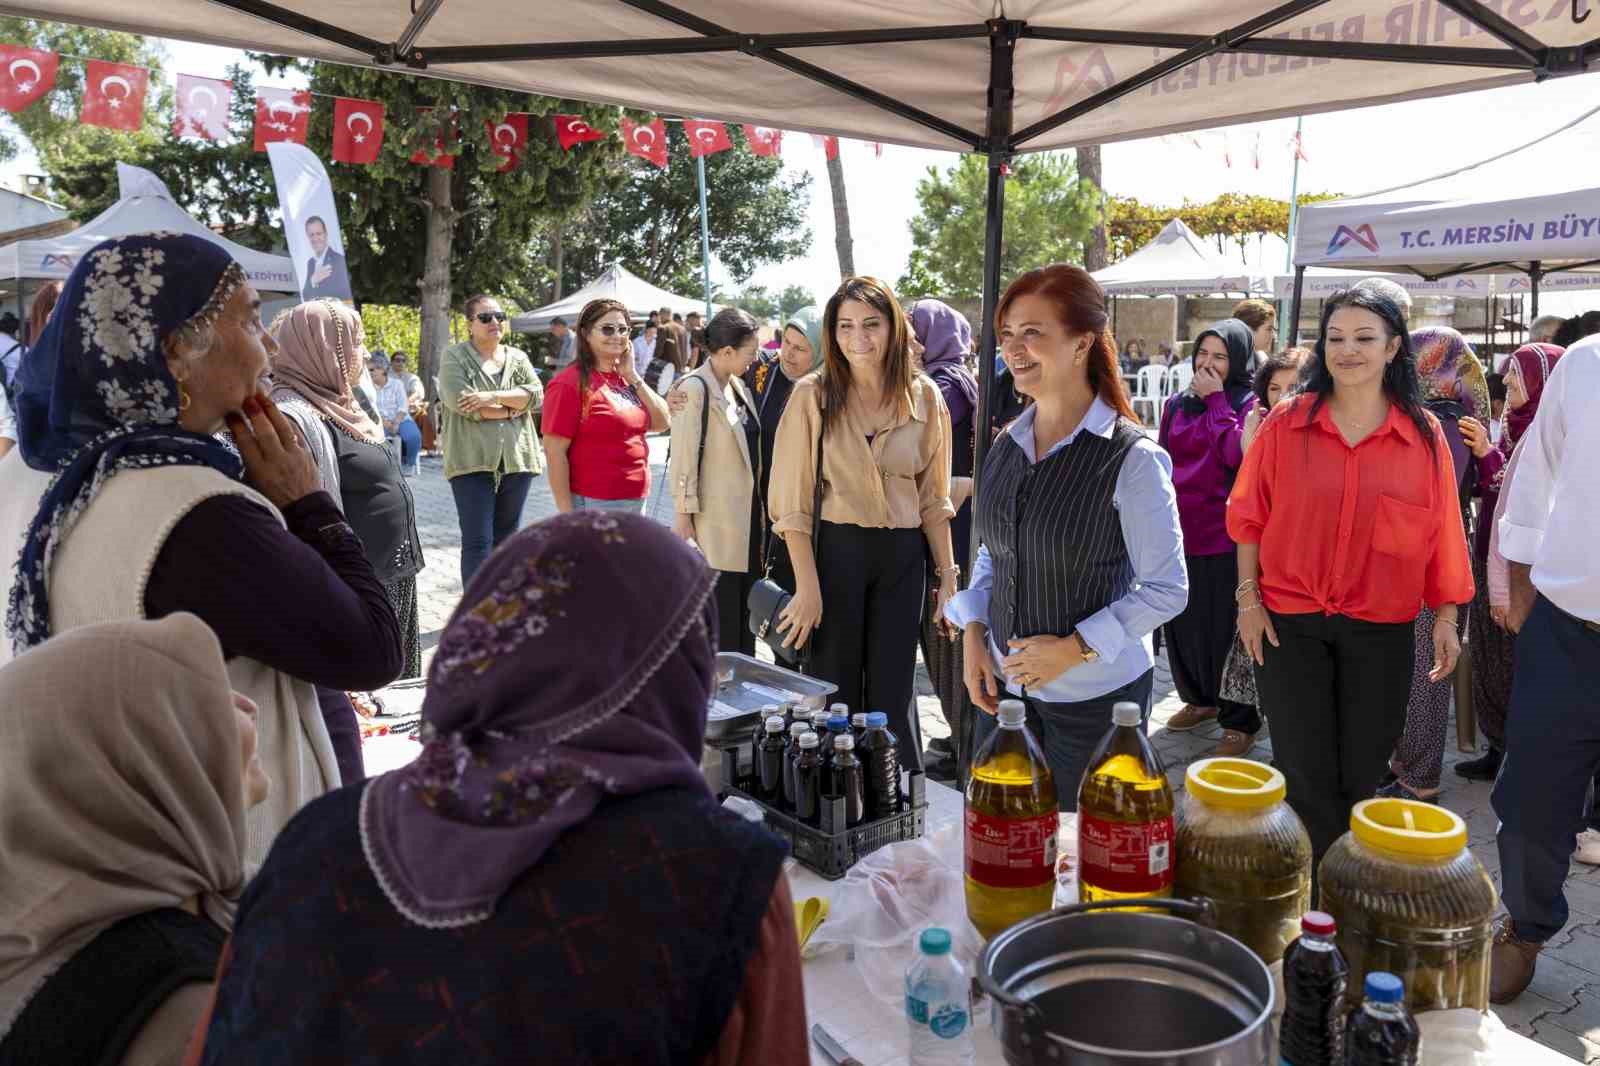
(1011, 852)
(1124, 857)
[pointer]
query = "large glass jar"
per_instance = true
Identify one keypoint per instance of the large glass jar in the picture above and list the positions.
(1411, 899)
(1242, 848)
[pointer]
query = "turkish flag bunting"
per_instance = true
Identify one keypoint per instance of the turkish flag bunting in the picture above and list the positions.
(646, 142)
(357, 131)
(202, 107)
(438, 157)
(113, 95)
(281, 115)
(706, 138)
(764, 140)
(27, 75)
(829, 145)
(509, 139)
(572, 129)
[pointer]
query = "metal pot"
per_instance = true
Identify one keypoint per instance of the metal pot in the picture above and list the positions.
(1128, 988)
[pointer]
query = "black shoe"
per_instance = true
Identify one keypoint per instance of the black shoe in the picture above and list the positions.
(941, 745)
(938, 767)
(1396, 790)
(1484, 768)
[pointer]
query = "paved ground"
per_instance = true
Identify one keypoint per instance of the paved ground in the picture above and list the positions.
(1560, 1010)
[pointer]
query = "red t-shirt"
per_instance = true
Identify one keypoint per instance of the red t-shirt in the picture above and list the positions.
(608, 458)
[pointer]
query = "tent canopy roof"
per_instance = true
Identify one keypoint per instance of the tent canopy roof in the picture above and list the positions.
(1176, 262)
(1075, 71)
(616, 283)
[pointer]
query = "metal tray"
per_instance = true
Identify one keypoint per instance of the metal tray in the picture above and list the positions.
(746, 686)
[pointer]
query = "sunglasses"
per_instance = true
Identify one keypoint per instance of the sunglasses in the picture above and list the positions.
(487, 317)
(609, 330)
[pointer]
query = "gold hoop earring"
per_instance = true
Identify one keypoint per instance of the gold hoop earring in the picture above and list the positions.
(183, 398)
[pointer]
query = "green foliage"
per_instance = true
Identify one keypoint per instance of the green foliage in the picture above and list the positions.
(1049, 214)
(651, 220)
(794, 298)
(753, 299)
(1230, 217)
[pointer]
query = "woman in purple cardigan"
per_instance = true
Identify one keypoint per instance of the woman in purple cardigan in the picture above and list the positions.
(1203, 430)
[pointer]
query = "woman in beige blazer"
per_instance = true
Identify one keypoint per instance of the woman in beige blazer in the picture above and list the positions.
(715, 473)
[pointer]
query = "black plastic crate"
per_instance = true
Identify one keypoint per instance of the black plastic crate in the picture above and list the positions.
(829, 848)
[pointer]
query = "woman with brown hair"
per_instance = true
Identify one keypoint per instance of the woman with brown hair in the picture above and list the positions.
(596, 416)
(1082, 554)
(879, 430)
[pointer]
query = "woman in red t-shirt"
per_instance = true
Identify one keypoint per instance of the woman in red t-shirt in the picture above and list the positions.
(1348, 521)
(596, 414)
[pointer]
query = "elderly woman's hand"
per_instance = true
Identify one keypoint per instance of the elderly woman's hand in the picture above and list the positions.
(276, 463)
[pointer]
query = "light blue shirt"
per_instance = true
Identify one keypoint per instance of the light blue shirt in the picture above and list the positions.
(1147, 509)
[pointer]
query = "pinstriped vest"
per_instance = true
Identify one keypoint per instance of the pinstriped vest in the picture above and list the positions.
(1053, 535)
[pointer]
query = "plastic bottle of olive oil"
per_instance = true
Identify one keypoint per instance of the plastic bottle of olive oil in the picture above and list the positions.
(1125, 826)
(1011, 822)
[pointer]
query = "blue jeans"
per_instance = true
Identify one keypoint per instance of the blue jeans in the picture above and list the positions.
(589, 503)
(410, 442)
(1552, 751)
(487, 513)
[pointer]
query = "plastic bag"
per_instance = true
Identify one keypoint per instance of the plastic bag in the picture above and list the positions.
(1461, 1037)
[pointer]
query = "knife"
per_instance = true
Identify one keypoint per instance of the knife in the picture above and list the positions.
(832, 1048)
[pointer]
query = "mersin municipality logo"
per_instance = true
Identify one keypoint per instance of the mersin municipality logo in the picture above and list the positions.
(1361, 235)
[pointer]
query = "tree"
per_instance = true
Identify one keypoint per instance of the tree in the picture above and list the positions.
(752, 298)
(841, 216)
(650, 222)
(793, 299)
(1230, 217)
(1048, 216)
(1094, 252)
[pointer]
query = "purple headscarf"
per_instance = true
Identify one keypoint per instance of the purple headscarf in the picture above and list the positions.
(578, 665)
(946, 339)
(1534, 363)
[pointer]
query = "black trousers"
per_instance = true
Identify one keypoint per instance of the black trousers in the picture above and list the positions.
(873, 588)
(733, 611)
(1198, 640)
(1335, 694)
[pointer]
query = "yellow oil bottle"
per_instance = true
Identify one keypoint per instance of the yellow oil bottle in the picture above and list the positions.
(1125, 824)
(1011, 823)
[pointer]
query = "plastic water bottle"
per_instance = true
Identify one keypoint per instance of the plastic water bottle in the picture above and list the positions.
(937, 1005)
(1314, 978)
(1383, 1032)
(880, 760)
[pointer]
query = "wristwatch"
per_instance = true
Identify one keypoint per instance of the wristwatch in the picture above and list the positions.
(1086, 653)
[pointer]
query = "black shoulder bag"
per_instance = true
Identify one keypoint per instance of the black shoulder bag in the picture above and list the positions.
(768, 598)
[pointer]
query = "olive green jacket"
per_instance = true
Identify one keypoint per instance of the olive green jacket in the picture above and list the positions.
(475, 445)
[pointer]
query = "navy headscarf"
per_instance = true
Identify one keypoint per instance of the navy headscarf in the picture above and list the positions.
(95, 396)
(1241, 344)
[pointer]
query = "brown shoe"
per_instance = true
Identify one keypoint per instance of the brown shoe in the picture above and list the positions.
(1191, 717)
(1233, 744)
(1511, 963)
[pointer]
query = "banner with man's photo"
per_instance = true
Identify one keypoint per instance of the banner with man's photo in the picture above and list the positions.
(310, 223)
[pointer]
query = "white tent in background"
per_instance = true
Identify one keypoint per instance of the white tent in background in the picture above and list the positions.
(55, 257)
(1177, 263)
(617, 283)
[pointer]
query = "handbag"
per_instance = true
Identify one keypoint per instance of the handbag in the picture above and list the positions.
(768, 599)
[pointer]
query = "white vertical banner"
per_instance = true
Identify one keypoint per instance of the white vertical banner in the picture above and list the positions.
(310, 223)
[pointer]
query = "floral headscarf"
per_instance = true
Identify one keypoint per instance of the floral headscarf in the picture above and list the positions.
(530, 722)
(1534, 364)
(95, 395)
(1448, 369)
(320, 358)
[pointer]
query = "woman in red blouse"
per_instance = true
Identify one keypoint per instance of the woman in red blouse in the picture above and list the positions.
(1347, 520)
(596, 414)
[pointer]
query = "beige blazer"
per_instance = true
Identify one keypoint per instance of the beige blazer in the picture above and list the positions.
(718, 495)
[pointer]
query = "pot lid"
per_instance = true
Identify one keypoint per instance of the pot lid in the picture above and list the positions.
(1237, 784)
(1408, 827)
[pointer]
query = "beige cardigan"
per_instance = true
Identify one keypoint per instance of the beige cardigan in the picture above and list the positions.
(718, 495)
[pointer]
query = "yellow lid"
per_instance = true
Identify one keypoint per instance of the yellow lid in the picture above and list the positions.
(1237, 784)
(1409, 827)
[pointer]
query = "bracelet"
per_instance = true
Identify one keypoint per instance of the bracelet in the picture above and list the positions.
(1245, 586)
(1256, 606)
(949, 571)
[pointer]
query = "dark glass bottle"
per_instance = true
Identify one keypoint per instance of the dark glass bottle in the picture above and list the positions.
(845, 778)
(808, 780)
(1382, 1032)
(879, 753)
(769, 760)
(838, 726)
(1314, 977)
(791, 752)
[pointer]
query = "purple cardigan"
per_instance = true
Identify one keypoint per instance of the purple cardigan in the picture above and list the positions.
(1207, 450)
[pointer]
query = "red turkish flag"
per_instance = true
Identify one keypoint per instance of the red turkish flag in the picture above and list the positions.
(281, 115)
(764, 140)
(647, 142)
(357, 131)
(572, 129)
(438, 157)
(829, 145)
(509, 139)
(202, 107)
(25, 75)
(113, 95)
(706, 138)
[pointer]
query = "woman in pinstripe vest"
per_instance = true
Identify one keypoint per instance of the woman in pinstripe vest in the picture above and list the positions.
(1082, 555)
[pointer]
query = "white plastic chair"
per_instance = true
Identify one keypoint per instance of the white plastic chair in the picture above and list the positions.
(1150, 388)
(1180, 377)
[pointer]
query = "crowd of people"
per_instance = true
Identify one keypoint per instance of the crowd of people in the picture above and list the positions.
(214, 513)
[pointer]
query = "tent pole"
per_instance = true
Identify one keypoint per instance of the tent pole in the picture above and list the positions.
(1294, 216)
(1294, 307)
(705, 234)
(1534, 276)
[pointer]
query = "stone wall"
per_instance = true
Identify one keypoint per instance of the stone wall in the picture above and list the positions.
(1151, 320)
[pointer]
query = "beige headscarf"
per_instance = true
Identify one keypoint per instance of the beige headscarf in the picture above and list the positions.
(321, 353)
(120, 790)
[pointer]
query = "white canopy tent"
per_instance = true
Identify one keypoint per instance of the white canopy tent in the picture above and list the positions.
(1177, 263)
(1322, 282)
(617, 283)
(54, 257)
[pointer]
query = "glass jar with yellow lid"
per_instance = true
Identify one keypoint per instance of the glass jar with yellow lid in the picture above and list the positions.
(1241, 847)
(1410, 899)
